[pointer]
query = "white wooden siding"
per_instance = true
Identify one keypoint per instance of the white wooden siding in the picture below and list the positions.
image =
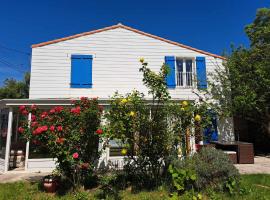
(42, 165)
(116, 64)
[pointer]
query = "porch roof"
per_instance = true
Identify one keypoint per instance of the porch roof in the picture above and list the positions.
(55, 102)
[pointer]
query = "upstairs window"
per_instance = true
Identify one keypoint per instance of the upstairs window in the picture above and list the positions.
(184, 72)
(81, 71)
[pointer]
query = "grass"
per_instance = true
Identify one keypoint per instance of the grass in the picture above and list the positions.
(257, 187)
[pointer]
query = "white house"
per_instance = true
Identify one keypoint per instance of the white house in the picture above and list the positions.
(96, 64)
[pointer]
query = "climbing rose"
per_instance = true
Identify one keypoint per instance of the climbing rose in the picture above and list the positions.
(58, 108)
(75, 155)
(99, 131)
(83, 98)
(43, 115)
(25, 112)
(76, 110)
(52, 128)
(21, 108)
(34, 124)
(197, 118)
(33, 118)
(33, 107)
(21, 129)
(59, 128)
(52, 111)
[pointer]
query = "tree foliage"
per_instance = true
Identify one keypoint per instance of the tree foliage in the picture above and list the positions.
(243, 86)
(14, 89)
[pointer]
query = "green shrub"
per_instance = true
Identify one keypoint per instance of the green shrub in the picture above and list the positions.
(213, 169)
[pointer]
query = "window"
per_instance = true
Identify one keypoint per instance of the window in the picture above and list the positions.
(81, 71)
(184, 72)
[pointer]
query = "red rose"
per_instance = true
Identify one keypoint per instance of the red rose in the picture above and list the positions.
(43, 115)
(21, 108)
(59, 128)
(60, 140)
(34, 124)
(44, 128)
(52, 111)
(75, 155)
(99, 131)
(33, 107)
(58, 108)
(25, 112)
(33, 117)
(52, 128)
(76, 110)
(84, 98)
(21, 129)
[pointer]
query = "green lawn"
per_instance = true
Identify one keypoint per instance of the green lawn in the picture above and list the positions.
(258, 186)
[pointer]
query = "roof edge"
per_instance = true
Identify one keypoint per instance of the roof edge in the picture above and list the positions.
(130, 29)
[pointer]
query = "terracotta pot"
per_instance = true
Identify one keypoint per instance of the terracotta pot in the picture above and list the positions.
(50, 184)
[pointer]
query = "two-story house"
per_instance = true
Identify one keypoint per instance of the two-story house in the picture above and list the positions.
(96, 64)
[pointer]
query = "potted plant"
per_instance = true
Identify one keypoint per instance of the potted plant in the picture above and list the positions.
(50, 183)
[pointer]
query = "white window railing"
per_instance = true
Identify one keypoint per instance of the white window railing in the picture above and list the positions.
(185, 79)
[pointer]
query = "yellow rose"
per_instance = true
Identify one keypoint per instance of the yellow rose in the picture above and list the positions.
(182, 109)
(142, 60)
(123, 152)
(131, 113)
(124, 101)
(184, 103)
(197, 118)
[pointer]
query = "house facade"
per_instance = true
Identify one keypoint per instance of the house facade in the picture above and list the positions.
(97, 64)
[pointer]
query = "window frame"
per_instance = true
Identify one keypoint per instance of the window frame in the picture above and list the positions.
(193, 72)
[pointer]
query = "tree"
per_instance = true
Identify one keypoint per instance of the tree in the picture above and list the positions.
(14, 89)
(247, 74)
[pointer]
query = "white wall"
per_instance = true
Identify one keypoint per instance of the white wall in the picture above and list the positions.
(115, 64)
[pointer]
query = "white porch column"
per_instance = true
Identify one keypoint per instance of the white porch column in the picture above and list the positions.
(8, 142)
(27, 145)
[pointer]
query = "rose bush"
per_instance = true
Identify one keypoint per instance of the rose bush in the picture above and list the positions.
(71, 135)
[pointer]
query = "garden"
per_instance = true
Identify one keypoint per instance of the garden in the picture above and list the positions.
(155, 137)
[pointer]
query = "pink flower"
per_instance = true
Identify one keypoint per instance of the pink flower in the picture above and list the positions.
(75, 155)
(52, 128)
(83, 98)
(33, 107)
(34, 124)
(76, 110)
(58, 108)
(33, 118)
(21, 129)
(99, 131)
(21, 108)
(25, 112)
(43, 115)
(40, 129)
(59, 128)
(52, 111)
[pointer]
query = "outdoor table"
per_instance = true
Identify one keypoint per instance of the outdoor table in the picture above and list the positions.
(244, 150)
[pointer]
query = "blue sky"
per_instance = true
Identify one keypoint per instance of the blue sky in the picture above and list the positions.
(210, 25)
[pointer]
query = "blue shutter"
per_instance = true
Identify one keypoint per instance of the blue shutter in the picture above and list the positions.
(170, 79)
(81, 71)
(201, 73)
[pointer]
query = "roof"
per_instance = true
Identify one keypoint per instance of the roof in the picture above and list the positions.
(130, 29)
